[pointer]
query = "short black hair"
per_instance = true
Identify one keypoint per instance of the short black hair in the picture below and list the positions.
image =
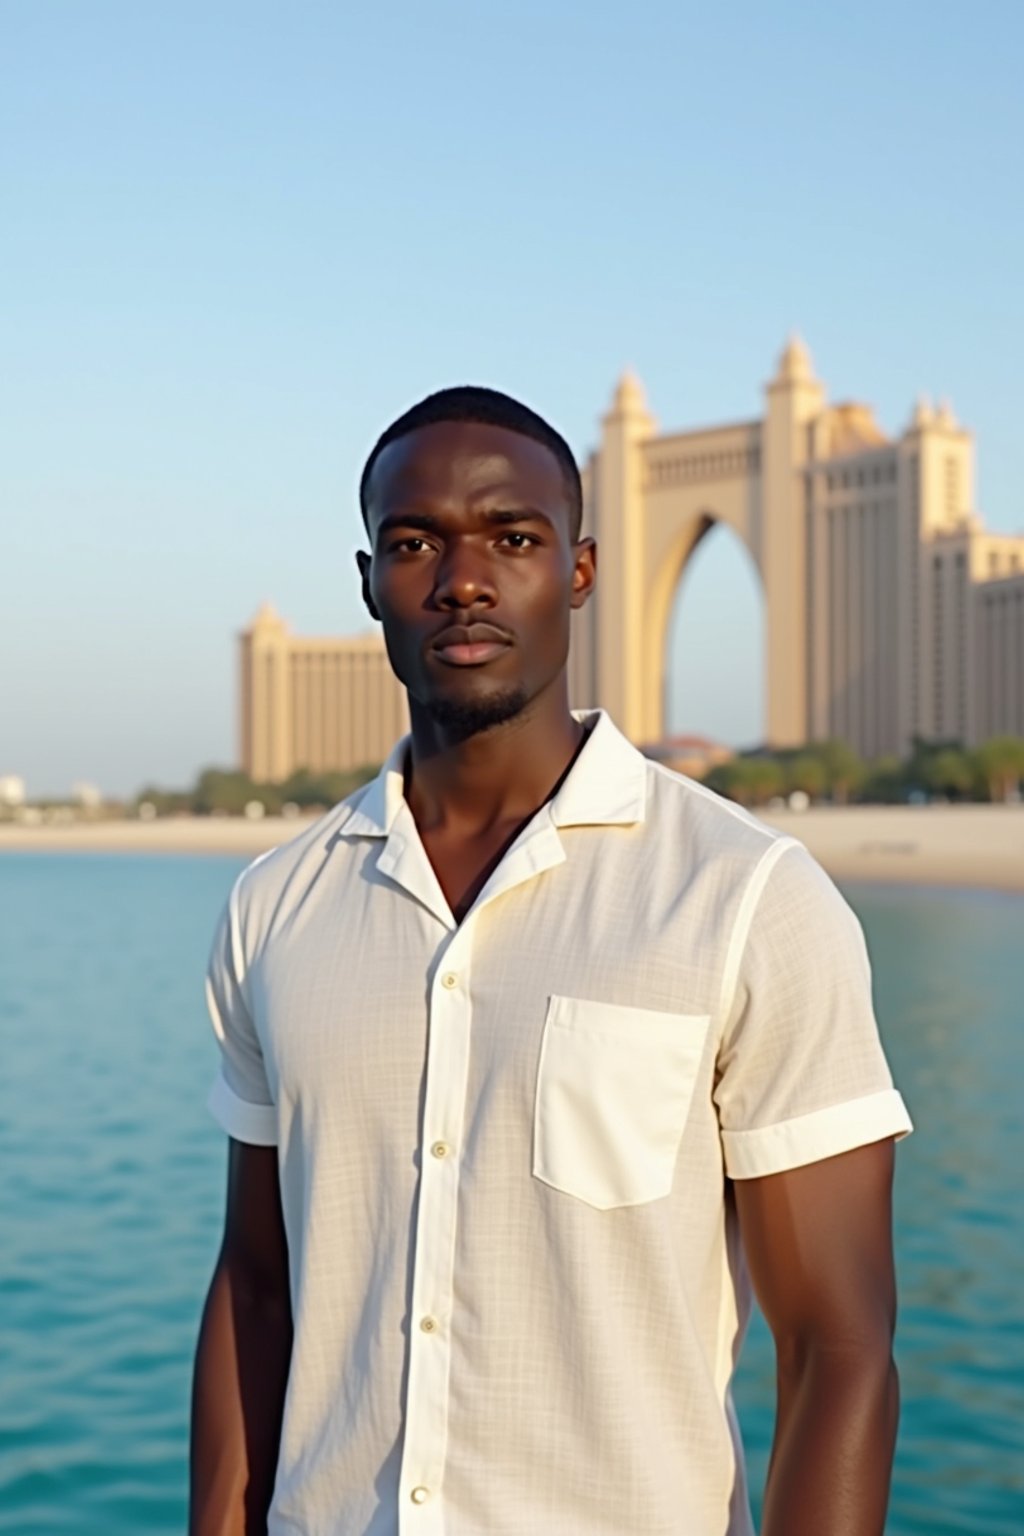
(474, 402)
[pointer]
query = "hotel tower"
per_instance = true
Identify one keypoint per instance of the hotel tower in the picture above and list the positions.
(890, 611)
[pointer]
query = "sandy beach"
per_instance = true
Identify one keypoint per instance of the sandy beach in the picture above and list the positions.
(979, 845)
(975, 845)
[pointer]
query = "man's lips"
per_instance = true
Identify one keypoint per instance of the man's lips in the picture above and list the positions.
(470, 655)
(469, 645)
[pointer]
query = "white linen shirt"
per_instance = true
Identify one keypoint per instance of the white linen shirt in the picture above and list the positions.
(504, 1145)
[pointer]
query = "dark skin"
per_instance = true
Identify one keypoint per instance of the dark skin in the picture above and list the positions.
(242, 1356)
(473, 570)
(470, 533)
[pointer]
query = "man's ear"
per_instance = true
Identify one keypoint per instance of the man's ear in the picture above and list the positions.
(363, 562)
(584, 572)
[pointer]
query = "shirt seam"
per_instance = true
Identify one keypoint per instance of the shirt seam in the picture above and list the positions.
(743, 924)
(239, 959)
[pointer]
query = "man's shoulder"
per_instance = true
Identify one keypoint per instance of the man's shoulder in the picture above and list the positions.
(773, 875)
(282, 873)
(678, 806)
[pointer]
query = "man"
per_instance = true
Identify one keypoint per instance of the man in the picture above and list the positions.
(532, 1051)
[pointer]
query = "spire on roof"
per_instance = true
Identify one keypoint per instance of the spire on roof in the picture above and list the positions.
(795, 366)
(267, 617)
(629, 398)
(923, 415)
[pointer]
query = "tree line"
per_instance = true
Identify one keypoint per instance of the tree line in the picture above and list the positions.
(831, 770)
(229, 792)
(824, 770)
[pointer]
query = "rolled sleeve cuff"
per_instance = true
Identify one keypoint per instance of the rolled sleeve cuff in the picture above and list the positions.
(252, 1123)
(809, 1138)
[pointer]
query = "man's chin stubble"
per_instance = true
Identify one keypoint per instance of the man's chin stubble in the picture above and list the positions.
(462, 718)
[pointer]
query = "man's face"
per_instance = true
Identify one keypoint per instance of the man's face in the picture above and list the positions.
(473, 571)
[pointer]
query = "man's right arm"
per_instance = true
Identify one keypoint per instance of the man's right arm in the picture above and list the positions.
(243, 1355)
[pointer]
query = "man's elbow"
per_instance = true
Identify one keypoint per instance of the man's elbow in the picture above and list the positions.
(847, 1380)
(858, 1354)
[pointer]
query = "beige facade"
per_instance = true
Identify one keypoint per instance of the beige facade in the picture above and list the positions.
(314, 703)
(890, 612)
(999, 700)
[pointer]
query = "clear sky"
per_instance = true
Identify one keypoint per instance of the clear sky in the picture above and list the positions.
(239, 237)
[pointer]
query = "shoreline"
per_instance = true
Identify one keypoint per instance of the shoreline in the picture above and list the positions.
(942, 845)
(980, 846)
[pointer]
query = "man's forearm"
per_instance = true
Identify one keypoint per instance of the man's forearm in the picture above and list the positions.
(835, 1434)
(237, 1401)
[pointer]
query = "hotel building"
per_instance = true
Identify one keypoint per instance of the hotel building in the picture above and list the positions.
(320, 704)
(890, 611)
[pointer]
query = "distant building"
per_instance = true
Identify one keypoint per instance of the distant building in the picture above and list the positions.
(319, 704)
(890, 611)
(998, 664)
(89, 796)
(12, 789)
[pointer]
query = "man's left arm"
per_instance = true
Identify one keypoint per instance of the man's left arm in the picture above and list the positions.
(818, 1240)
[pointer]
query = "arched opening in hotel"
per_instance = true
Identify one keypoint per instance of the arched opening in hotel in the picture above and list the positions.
(715, 643)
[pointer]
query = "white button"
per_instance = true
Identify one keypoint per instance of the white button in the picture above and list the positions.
(449, 980)
(440, 1149)
(428, 1325)
(420, 1495)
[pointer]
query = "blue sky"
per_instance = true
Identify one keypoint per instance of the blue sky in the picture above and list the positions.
(238, 238)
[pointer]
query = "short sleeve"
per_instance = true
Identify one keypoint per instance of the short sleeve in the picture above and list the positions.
(801, 1074)
(240, 1099)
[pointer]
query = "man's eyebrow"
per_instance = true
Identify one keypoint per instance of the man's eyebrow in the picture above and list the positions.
(425, 522)
(518, 515)
(421, 520)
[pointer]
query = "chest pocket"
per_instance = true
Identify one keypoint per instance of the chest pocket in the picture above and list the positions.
(614, 1086)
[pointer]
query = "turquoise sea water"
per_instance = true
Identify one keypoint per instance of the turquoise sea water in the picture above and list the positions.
(112, 1179)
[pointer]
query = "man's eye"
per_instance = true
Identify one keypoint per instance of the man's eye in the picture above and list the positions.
(523, 540)
(410, 546)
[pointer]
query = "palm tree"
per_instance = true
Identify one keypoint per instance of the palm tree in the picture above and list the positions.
(1000, 761)
(807, 773)
(765, 778)
(844, 770)
(949, 772)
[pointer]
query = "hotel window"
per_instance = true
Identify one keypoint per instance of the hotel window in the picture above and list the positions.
(915, 604)
(937, 632)
(961, 599)
(952, 487)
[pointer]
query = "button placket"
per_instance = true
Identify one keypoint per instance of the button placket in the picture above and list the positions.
(447, 1068)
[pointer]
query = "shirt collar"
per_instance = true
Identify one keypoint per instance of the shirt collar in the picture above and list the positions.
(606, 785)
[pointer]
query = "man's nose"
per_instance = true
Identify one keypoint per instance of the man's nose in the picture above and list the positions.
(464, 577)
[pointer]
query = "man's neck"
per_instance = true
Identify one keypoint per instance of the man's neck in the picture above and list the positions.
(493, 777)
